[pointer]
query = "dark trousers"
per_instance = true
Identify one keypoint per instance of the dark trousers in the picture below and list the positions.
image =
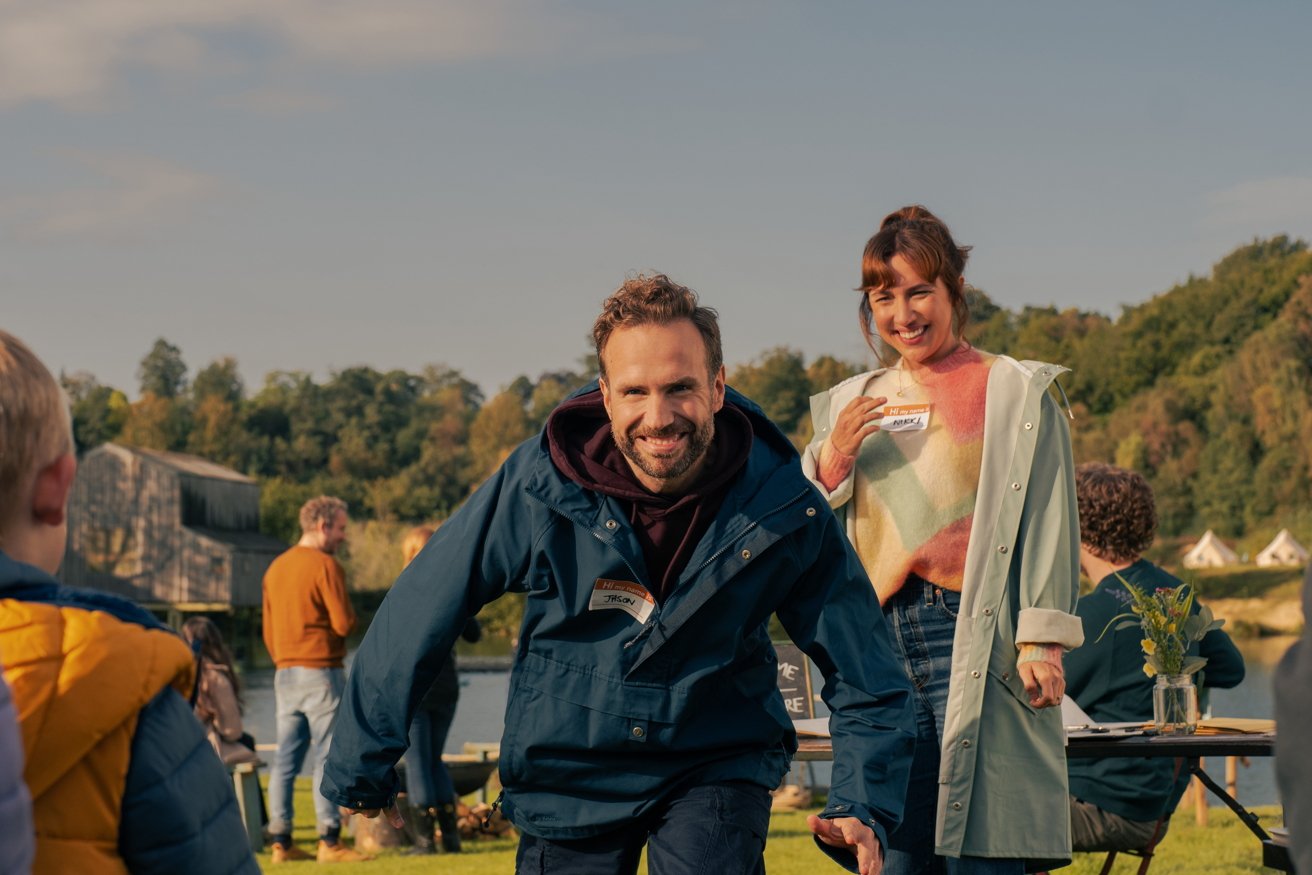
(717, 829)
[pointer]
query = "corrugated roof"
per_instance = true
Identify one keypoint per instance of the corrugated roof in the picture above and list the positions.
(186, 464)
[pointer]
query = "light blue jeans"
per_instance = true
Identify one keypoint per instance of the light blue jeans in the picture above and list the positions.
(307, 700)
(923, 619)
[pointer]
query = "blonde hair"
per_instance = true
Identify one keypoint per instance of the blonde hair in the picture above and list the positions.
(414, 541)
(319, 510)
(35, 424)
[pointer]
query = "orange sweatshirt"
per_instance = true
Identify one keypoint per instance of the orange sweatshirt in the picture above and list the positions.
(307, 614)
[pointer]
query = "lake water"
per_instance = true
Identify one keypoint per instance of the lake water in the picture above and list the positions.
(483, 701)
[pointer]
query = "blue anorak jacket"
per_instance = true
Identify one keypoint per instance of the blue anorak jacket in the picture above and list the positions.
(606, 713)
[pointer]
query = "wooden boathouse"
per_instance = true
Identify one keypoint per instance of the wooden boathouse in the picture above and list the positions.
(171, 531)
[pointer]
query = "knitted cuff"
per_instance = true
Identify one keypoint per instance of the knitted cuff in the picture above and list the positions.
(834, 466)
(1049, 653)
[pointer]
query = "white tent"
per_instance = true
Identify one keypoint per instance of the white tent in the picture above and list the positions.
(1283, 550)
(1209, 552)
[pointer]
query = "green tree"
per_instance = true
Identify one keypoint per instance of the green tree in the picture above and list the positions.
(99, 412)
(162, 372)
(219, 379)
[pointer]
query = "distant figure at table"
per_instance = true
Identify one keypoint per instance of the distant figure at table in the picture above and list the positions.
(218, 693)
(1116, 802)
(428, 783)
(1293, 698)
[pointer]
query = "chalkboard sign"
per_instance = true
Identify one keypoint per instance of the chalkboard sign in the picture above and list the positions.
(794, 679)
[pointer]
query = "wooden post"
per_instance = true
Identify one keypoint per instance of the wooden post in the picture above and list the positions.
(1200, 798)
(1232, 776)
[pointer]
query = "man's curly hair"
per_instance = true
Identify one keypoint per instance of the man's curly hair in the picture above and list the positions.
(1118, 517)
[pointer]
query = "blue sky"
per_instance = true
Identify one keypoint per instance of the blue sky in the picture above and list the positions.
(313, 184)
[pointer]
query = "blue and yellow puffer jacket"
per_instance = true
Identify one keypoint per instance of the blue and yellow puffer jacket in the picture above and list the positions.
(121, 775)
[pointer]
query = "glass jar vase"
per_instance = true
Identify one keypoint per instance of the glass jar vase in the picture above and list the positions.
(1175, 704)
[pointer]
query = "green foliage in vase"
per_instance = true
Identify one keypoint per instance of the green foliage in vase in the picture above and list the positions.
(1169, 623)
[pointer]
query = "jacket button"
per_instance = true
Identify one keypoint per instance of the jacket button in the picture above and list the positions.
(810, 511)
(988, 612)
(965, 742)
(1029, 426)
(612, 525)
(1006, 676)
(638, 732)
(1002, 549)
(956, 806)
(974, 674)
(746, 554)
(1016, 486)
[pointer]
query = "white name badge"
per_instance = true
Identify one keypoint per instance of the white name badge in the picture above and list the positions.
(620, 595)
(905, 417)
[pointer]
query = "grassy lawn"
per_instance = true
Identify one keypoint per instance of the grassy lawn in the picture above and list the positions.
(1224, 847)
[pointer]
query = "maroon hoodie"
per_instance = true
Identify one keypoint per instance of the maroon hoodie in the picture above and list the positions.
(668, 527)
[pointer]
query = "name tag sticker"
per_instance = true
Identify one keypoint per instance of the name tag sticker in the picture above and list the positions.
(905, 417)
(621, 595)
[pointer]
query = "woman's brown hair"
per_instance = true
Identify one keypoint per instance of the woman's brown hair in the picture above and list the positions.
(922, 239)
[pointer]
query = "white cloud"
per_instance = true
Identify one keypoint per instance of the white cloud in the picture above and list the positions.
(1262, 206)
(136, 192)
(73, 51)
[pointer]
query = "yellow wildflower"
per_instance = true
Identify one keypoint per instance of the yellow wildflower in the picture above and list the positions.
(1170, 627)
(1149, 646)
(1149, 670)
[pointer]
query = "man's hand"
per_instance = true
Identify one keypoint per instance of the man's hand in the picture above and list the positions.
(1045, 682)
(393, 814)
(855, 836)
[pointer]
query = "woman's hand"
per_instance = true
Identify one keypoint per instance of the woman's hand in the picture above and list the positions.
(858, 421)
(1039, 668)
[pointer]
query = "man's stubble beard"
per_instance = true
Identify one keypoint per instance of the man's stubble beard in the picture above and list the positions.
(670, 469)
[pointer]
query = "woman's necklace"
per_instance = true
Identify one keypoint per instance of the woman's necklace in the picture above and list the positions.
(900, 369)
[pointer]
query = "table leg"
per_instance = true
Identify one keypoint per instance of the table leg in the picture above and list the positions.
(1249, 819)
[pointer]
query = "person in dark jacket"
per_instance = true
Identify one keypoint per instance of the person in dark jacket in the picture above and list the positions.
(122, 777)
(428, 783)
(655, 525)
(1116, 802)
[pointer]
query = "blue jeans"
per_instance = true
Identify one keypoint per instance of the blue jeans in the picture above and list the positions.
(427, 781)
(307, 700)
(923, 619)
(715, 829)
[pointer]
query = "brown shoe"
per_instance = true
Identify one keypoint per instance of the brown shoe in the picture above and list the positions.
(339, 853)
(287, 853)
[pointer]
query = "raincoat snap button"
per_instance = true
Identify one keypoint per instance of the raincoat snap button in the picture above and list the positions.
(612, 525)
(965, 742)
(638, 732)
(1029, 426)
(974, 674)
(810, 511)
(1016, 486)
(1007, 676)
(1002, 549)
(988, 612)
(956, 806)
(746, 554)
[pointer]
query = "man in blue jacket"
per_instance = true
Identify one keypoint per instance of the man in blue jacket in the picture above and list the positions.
(655, 525)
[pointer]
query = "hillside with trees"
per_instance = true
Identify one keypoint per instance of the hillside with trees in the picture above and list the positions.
(1205, 388)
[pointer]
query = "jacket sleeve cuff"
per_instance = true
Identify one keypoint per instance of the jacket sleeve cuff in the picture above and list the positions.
(838, 808)
(1047, 626)
(360, 801)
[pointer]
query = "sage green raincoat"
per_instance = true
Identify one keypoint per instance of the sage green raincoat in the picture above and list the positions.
(1002, 782)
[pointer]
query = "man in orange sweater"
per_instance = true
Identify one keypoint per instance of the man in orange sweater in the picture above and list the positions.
(307, 616)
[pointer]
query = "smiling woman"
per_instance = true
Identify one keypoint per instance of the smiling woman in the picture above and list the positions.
(934, 489)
